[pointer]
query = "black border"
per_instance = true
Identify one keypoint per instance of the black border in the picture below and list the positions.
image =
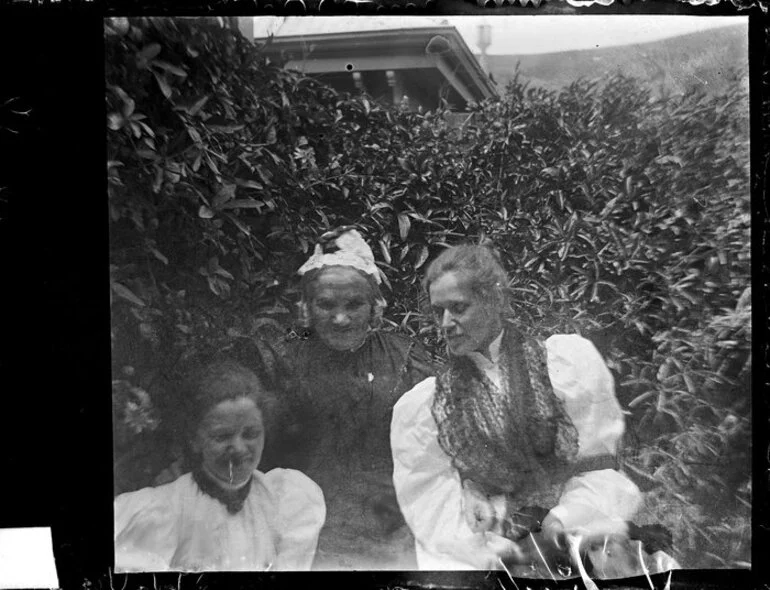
(56, 456)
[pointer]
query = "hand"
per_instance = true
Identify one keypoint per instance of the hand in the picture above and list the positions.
(553, 531)
(483, 512)
(540, 556)
(495, 551)
(654, 537)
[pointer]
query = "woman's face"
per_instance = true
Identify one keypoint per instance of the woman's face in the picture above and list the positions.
(340, 308)
(230, 440)
(468, 324)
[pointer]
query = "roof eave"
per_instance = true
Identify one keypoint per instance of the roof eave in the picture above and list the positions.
(416, 38)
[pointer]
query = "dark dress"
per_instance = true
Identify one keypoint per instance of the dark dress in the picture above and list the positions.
(336, 429)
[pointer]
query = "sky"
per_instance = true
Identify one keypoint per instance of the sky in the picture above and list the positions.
(522, 35)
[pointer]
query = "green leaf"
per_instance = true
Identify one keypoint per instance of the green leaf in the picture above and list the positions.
(147, 154)
(384, 278)
(670, 159)
(422, 257)
(194, 135)
(176, 70)
(608, 208)
(212, 165)
(223, 273)
(159, 255)
(249, 184)
(199, 104)
(238, 223)
(551, 172)
(225, 128)
(629, 186)
(128, 107)
(149, 52)
(244, 204)
(135, 129)
(404, 252)
(219, 287)
(639, 399)
(163, 84)
(120, 93)
(403, 225)
(385, 251)
(126, 293)
(158, 182)
(115, 121)
(173, 172)
(225, 193)
(380, 205)
(189, 106)
(146, 128)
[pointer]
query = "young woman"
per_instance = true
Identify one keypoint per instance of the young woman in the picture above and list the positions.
(512, 430)
(224, 515)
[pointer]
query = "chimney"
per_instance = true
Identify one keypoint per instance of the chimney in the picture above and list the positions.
(485, 40)
(246, 27)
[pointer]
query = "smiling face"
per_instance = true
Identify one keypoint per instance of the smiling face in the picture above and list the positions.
(341, 308)
(468, 323)
(230, 440)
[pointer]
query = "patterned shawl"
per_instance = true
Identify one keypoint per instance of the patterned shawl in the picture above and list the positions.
(509, 441)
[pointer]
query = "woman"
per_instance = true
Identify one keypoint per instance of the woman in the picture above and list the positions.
(224, 515)
(513, 436)
(345, 379)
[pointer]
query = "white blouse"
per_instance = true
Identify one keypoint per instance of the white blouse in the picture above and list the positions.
(177, 527)
(429, 489)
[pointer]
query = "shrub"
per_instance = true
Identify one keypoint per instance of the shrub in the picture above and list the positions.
(620, 217)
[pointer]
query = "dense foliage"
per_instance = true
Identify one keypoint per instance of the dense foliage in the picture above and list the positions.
(620, 217)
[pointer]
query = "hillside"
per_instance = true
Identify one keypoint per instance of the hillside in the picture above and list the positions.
(703, 58)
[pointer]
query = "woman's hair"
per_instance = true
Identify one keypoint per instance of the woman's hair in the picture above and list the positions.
(218, 381)
(480, 265)
(309, 283)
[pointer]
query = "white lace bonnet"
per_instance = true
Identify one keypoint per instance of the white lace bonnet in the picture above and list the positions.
(351, 250)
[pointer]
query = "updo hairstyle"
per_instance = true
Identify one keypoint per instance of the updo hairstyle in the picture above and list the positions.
(215, 382)
(480, 266)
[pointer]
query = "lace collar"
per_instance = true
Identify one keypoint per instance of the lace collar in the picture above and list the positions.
(481, 361)
(233, 500)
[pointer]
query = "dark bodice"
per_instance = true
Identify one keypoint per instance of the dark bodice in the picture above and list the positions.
(337, 431)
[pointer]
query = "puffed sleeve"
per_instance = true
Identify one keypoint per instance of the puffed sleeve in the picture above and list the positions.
(145, 529)
(581, 379)
(300, 514)
(428, 487)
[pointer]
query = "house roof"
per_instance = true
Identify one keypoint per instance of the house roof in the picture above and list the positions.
(282, 26)
(318, 45)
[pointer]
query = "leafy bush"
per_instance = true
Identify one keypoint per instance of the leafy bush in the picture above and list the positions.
(620, 217)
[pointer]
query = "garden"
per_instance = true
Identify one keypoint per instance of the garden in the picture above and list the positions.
(620, 216)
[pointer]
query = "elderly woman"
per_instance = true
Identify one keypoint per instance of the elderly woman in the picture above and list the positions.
(512, 436)
(344, 380)
(224, 515)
